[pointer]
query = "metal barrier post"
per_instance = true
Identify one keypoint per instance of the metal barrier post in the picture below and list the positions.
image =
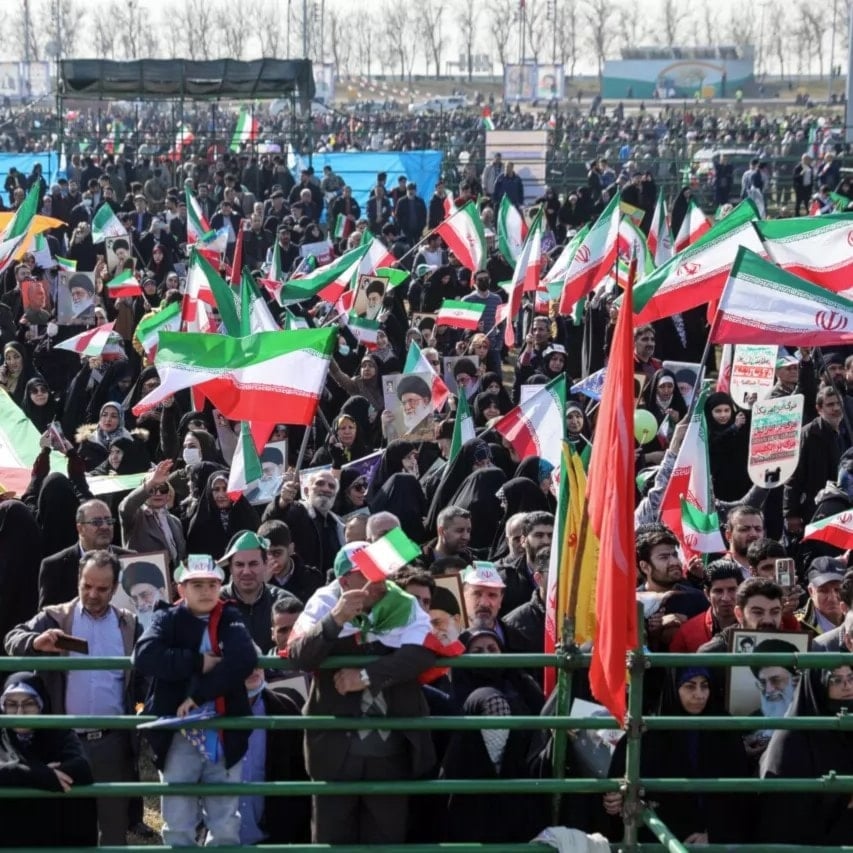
(565, 672)
(632, 787)
(662, 831)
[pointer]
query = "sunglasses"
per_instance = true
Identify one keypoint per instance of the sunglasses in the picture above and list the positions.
(159, 490)
(359, 486)
(38, 389)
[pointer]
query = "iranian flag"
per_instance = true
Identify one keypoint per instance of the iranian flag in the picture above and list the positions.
(105, 224)
(525, 276)
(66, 264)
(124, 284)
(91, 342)
(593, 258)
(338, 273)
(395, 276)
(246, 467)
(388, 554)
(268, 376)
(148, 331)
(816, 249)
(463, 427)
(416, 363)
(449, 205)
(660, 237)
(19, 224)
(837, 530)
(364, 330)
(9, 250)
(245, 131)
(463, 232)
(687, 505)
(512, 230)
(459, 314)
(698, 274)
(197, 225)
(255, 315)
(693, 227)
(762, 304)
(537, 426)
(204, 284)
(556, 274)
(376, 256)
(343, 227)
(183, 136)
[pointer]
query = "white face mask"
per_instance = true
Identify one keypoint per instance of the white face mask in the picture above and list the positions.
(191, 455)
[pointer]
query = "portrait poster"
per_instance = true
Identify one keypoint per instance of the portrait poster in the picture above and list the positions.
(753, 373)
(142, 582)
(75, 298)
(369, 296)
(447, 611)
(424, 322)
(409, 397)
(273, 459)
(35, 295)
(449, 363)
(763, 690)
(119, 254)
(774, 440)
(593, 748)
(685, 373)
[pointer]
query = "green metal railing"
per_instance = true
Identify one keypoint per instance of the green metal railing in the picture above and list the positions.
(568, 660)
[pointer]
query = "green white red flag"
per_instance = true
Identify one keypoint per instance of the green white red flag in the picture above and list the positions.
(687, 504)
(91, 342)
(463, 427)
(817, 249)
(376, 256)
(693, 227)
(245, 131)
(148, 330)
(556, 274)
(66, 264)
(124, 284)
(205, 287)
(268, 376)
(197, 224)
(537, 426)
(388, 554)
(337, 274)
(762, 304)
(255, 315)
(459, 314)
(697, 275)
(593, 258)
(837, 530)
(246, 467)
(525, 276)
(660, 237)
(416, 362)
(19, 224)
(364, 331)
(463, 232)
(106, 224)
(512, 230)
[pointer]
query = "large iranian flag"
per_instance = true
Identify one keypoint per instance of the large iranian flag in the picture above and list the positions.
(693, 227)
(537, 426)
(512, 230)
(837, 530)
(459, 314)
(687, 505)
(593, 258)
(268, 376)
(818, 249)
(463, 232)
(660, 237)
(762, 304)
(340, 271)
(698, 274)
(106, 224)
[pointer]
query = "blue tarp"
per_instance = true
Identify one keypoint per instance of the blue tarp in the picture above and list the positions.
(359, 168)
(24, 163)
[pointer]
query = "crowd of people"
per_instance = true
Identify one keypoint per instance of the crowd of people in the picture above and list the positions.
(278, 574)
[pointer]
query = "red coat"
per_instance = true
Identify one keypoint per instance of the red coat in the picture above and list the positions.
(697, 630)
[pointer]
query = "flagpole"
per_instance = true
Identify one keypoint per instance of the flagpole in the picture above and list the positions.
(304, 446)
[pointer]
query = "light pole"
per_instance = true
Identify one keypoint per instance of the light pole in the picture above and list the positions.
(832, 50)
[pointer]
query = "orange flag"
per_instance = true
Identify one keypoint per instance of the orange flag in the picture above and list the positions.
(611, 514)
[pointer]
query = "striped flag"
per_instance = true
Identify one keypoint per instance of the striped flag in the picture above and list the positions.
(19, 224)
(91, 342)
(106, 224)
(660, 237)
(245, 465)
(463, 427)
(459, 314)
(388, 554)
(66, 264)
(512, 230)
(525, 276)
(255, 315)
(148, 330)
(836, 530)
(245, 131)
(364, 330)
(417, 363)
(693, 227)
(265, 377)
(197, 224)
(336, 275)
(463, 232)
(124, 284)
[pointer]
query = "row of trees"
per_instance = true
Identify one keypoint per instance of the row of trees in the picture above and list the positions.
(395, 37)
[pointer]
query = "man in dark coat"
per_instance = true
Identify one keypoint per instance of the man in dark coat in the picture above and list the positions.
(519, 575)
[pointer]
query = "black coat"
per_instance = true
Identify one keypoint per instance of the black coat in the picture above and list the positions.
(57, 580)
(528, 624)
(519, 584)
(20, 554)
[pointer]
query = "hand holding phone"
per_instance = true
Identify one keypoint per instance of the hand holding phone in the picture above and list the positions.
(785, 572)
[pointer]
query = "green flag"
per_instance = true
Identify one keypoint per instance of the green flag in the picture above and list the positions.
(463, 427)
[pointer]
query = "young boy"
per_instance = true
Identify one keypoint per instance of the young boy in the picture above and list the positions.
(198, 654)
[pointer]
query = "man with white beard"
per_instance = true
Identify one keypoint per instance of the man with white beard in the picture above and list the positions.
(415, 398)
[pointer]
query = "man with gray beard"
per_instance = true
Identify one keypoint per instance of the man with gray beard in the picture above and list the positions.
(318, 534)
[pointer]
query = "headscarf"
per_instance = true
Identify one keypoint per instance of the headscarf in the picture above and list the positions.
(40, 416)
(719, 398)
(478, 494)
(55, 513)
(391, 463)
(28, 371)
(402, 494)
(105, 439)
(482, 401)
(454, 474)
(20, 558)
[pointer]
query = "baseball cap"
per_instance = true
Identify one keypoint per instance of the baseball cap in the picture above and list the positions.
(343, 564)
(483, 573)
(825, 569)
(199, 567)
(785, 359)
(243, 540)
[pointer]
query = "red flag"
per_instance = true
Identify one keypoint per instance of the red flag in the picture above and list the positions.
(237, 264)
(611, 514)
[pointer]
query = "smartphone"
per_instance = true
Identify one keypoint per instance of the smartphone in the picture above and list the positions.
(57, 438)
(72, 644)
(785, 572)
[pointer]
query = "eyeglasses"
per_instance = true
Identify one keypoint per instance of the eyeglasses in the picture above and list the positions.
(159, 490)
(28, 706)
(840, 680)
(100, 522)
(434, 363)
(38, 389)
(359, 486)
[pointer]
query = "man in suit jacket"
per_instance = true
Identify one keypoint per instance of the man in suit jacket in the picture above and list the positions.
(332, 624)
(58, 572)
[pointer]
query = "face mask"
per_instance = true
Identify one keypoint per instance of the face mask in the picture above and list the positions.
(344, 349)
(191, 455)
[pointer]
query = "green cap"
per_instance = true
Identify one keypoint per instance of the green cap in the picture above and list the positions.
(343, 562)
(243, 540)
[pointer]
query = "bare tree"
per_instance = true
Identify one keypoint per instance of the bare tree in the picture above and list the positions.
(64, 21)
(778, 45)
(396, 22)
(365, 37)
(632, 25)
(196, 17)
(235, 27)
(430, 14)
(104, 33)
(740, 30)
(674, 15)
(24, 29)
(539, 27)
(814, 25)
(599, 31)
(339, 39)
(269, 27)
(567, 34)
(502, 22)
(710, 23)
(466, 22)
